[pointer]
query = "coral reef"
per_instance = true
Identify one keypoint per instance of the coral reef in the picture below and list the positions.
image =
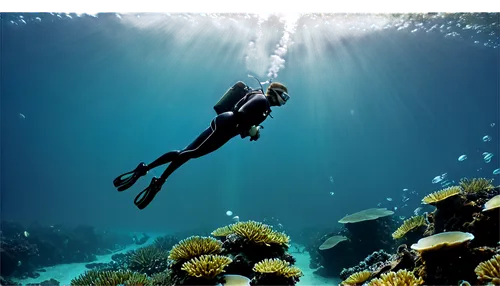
(194, 246)
(357, 278)
(370, 263)
(465, 212)
(25, 249)
(206, 266)
(411, 230)
(460, 245)
(275, 272)
(489, 271)
(93, 277)
(250, 242)
(165, 242)
(148, 260)
(362, 233)
(402, 277)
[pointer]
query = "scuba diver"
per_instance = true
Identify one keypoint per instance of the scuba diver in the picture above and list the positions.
(240, 110)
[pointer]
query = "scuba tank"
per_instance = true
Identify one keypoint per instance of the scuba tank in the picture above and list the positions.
(235, 94)
(231, 97)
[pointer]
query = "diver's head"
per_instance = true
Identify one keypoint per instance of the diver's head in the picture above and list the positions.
(277, 94)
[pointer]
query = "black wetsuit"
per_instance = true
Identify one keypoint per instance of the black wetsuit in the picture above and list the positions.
(251, 110)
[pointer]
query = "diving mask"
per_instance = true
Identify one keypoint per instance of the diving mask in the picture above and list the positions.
(282, 96)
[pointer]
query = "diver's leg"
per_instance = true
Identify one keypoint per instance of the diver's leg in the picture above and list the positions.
(219, 133)
(128, 179)
(214, 137)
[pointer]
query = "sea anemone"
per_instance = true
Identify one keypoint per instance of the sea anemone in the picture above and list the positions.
(206, 266)
(475, 185)
(194, 246)
(357, 278)
(489, 271)
(96, 277)
(409, 225)
(438, 196)
(402, 277)
(149, 260)
(259, 233)
(278, 267)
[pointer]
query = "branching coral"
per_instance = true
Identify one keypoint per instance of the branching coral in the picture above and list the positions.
(206, 266)
(95, 277)
(149, 260)
(165, 242)
(277, 266)
(409, 225)
(259, 233)
(222, 231)
(489, 271)
(195, 246)
(162, 279)
(475, 185)
(441, 195)
(401, 278)
(357, 278)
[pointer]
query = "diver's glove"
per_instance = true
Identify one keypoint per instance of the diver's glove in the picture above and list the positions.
(254, 132)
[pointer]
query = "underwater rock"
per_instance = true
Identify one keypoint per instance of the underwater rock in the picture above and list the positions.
(5, 282)
(367, 231)
(26, 249)
(369, 263)
(464, 212)
(448, 258)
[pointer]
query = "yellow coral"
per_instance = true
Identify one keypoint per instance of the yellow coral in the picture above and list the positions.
(277, 266)
(475, 185)
(259, 233)
(206, 266)
(97, 277)
(408, 225)
(357, 278)
(195, 246)
(222, 231)
(438, 196)
(401, 278)
(489, 271)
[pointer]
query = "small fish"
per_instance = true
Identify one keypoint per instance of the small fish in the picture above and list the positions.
(26, 234)
(229, 213)
(22, 116)
(236, 218)
(379, 204)
(332, 193)
(389, 199)
(417, 211)
(405, 190)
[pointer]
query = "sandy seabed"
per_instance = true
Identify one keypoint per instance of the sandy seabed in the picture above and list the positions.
(64, 273)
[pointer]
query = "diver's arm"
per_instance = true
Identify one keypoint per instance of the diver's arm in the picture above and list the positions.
(251, 113)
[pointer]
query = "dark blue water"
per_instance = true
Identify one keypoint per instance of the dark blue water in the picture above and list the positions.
(378, 111)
